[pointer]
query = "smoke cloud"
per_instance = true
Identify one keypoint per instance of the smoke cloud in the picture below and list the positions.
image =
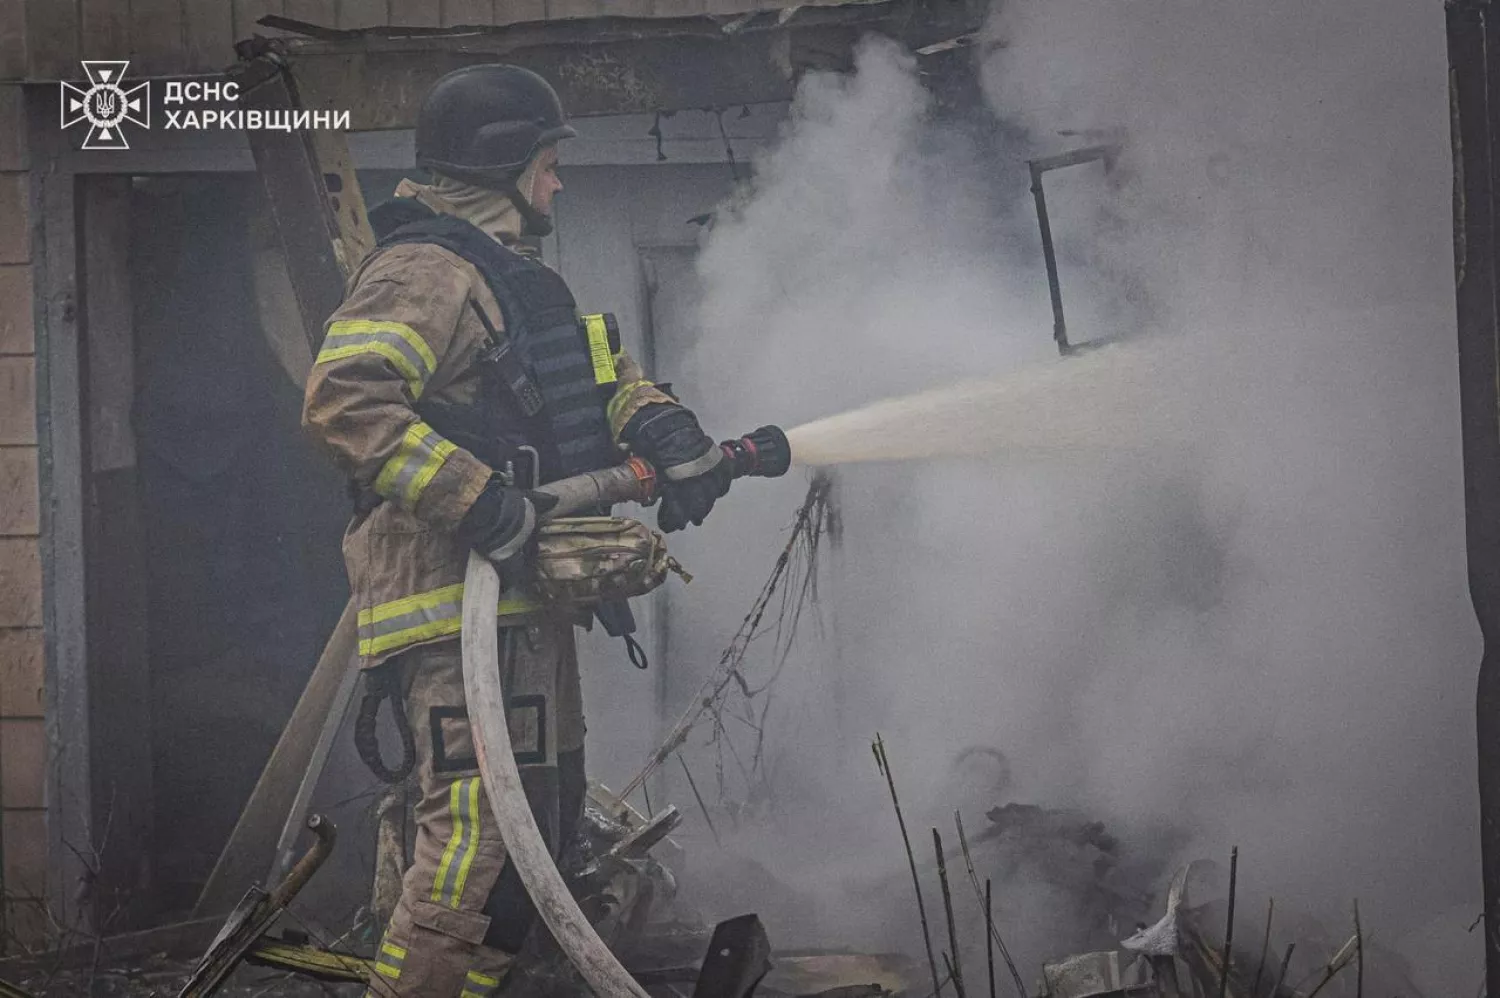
(1262, 640)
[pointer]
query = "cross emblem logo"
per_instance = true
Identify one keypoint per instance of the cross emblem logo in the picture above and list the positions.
(106, 105)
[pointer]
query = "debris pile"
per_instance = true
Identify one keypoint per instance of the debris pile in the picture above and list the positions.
(1138, 942)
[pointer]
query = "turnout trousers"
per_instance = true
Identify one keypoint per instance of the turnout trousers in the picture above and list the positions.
(463, 913)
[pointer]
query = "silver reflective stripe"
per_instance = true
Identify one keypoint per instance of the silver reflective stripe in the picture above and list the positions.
(422, 452)
(389, 960)
(477, 985)
(420, 617)
(453, 870)
(510, 547)
(697, 466)
(395, 341)
(413, 619)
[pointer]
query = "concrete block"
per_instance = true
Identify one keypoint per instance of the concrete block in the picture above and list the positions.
(18, 492)
(17, 400)
(23, 836)
(20, 582)
(23, 762)
(21, 653)
(15, 218)
(17, 315)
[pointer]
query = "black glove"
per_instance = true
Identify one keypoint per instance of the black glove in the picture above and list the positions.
(691, 466)
(501, 525)
(690, 500)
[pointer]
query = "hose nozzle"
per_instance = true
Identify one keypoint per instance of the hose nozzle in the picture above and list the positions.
(762, 454)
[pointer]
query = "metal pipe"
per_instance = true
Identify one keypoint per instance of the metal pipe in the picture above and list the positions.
(1049, 254)
(1474, 69)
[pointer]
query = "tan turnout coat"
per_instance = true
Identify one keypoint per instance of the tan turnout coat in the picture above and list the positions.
(405, 332)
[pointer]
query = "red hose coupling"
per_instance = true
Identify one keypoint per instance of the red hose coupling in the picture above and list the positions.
(645, 475)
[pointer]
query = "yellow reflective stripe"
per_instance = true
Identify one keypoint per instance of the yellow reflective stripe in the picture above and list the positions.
(411, 469)
(350, 328)
(455, 839)
(479, 985)
(622, 395)
(406, 604)
(410, 636)
(397, 342)
(388, 961)
(599, 353)
(413, 377)
(463, 843)
(422, 617)
(468, 860)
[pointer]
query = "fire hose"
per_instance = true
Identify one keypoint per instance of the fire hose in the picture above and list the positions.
(763, 454)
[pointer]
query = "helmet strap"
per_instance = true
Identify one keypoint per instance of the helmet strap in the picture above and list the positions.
(533, 222)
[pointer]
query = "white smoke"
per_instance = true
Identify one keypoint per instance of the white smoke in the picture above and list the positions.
(1268, 645)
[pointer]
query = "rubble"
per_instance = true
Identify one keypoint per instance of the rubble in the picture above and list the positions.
(1138, 943)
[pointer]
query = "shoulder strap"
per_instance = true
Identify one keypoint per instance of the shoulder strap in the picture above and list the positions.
(494, 262)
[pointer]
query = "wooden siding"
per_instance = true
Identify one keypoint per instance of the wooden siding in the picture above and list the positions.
(23, 743)
(45, 39)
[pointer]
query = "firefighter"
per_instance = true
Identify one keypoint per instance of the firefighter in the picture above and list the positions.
(457, 375)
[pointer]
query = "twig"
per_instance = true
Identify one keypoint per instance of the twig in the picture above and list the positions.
(878, 747)
(1265, 944)
(942, 869)
(1286, 962)
(1359, 954)
(989, 942)
(952, 973)
(994, 931)
(699, 798)
(806, 532)
(1338, 962)
(934, 994)
(1234, 863)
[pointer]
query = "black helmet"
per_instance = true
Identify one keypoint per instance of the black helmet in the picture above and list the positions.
(483, 124)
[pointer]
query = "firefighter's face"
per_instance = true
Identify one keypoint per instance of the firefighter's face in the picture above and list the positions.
(545, 184)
